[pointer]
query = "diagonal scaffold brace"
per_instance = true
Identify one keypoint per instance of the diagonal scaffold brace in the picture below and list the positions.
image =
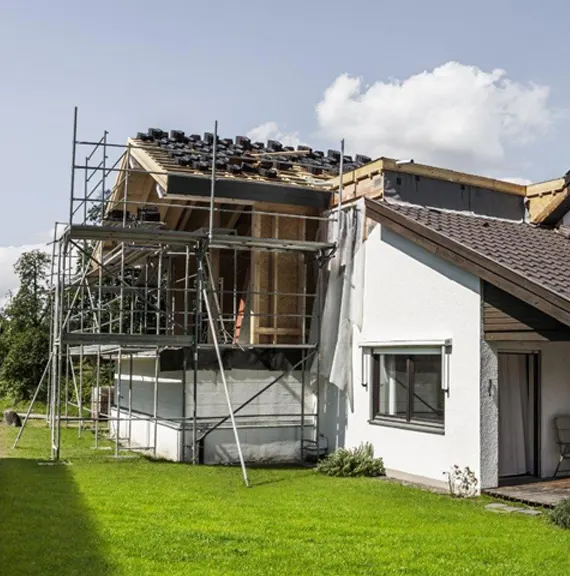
(212, 324)
(31, 406)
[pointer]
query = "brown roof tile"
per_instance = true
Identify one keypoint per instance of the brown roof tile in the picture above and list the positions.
(541, 255)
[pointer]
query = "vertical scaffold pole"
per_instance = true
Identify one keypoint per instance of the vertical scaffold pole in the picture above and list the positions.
(155, 399)
(73, 156)
(340, 188)
(213, 182)
(118, 401)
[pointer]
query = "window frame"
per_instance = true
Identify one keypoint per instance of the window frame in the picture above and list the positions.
(371, 373)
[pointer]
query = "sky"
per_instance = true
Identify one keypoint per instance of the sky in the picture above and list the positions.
(479, 86)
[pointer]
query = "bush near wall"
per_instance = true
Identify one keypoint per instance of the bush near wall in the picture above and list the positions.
(561, 514)
(352, 462)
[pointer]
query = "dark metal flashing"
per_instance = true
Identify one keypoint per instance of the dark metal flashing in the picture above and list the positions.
(452, 196)
(237, 189)
(471, 261)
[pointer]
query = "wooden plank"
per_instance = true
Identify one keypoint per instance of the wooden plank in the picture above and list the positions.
(302, 285)
(525, 337)
(503, 313)
(255, 281)
(185, 216)
(275, 278)
(540, 211)
(148, 163)
(279, 331)
(297, 176)
(234, 217)
(541, 188)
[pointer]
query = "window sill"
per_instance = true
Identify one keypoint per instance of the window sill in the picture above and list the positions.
(415, 426)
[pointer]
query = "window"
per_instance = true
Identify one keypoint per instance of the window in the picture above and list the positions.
(407, 386)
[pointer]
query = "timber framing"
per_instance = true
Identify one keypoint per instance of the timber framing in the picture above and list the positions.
(471, 261)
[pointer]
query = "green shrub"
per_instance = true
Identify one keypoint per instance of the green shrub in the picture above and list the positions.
(352, 462)
(561, 514)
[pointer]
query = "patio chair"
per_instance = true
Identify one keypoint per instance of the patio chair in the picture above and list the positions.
(562, 427)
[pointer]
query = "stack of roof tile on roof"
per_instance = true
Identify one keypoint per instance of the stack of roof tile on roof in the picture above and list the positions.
(240, 157)
(541, 255)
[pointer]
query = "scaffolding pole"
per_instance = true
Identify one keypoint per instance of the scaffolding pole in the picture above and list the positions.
(212, 324)
(124, 263)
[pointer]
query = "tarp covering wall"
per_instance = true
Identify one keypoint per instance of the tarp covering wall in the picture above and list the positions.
(343, 297)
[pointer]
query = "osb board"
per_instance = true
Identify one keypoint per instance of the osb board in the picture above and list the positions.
(369, 187)
(540, 207)
(264, 276)
(288, 274)
(177, 292)
(276, 272)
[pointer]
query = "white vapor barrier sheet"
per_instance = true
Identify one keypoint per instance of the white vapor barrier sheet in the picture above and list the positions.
(343, 305)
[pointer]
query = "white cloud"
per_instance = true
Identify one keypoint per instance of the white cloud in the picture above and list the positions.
(455, 115)
(271, 131)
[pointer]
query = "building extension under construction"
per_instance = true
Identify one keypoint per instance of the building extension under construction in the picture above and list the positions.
(235, 301)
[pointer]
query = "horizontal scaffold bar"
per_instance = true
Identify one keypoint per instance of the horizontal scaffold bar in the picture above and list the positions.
(150, 340)
(179, 238)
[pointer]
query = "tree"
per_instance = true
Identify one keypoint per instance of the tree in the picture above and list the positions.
(24, 328)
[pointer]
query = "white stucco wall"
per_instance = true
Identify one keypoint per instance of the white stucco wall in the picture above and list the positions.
(412, 295)
(168, 437)
(269, 427)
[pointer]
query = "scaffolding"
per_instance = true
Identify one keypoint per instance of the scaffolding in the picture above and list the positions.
(126, 285)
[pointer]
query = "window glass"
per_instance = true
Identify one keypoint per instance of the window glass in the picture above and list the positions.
(408, 387)
(428, 397)
(393, 385)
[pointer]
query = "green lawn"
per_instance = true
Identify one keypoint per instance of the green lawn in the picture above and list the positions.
(21, 407)
(101, 516)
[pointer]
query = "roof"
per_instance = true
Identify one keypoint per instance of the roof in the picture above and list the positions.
(410, 167)
(546, 201)
(239, 157)
(530, 262)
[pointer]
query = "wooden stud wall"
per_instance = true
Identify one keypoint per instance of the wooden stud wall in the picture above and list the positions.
(278, 279)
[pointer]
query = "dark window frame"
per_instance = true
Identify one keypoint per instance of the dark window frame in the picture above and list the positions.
(409, 421)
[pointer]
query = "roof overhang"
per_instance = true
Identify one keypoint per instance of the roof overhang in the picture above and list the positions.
(471, 261)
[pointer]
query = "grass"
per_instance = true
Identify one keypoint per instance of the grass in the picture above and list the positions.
(21, 407)
(101, 516)
(39, 407)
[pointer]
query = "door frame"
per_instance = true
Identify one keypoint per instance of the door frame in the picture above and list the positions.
(537, 403)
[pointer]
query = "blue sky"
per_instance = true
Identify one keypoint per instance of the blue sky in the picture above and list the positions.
(182, 64)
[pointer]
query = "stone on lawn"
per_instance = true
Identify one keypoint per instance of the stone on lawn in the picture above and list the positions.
(12, 419)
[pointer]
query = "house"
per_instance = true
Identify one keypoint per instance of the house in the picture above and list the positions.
(462, 354)
(276, 310)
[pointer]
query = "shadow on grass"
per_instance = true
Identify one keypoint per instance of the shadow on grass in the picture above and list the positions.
(46, 528)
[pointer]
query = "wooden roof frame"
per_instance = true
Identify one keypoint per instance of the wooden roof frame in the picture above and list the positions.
(471, 261)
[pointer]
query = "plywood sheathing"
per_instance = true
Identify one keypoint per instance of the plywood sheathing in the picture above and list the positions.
(544, 198)
(278, 278)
